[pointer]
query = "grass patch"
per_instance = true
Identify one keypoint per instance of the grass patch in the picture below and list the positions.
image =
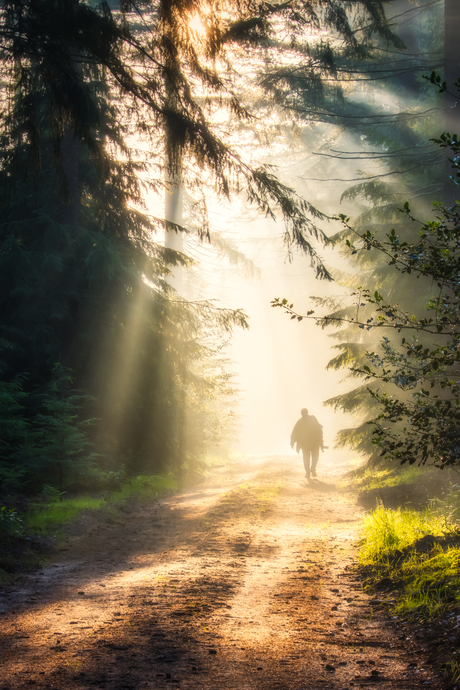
(385, 531)
(452, 671)
(396, 552)
(59, 511)
(432, 585)
(145, 487)
(27, 539)
(250, 497)
(415, 556)
(44, 518)
(266, 494)
(365, 478)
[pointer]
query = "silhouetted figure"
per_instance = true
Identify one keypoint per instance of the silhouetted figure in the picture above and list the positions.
(307, 435)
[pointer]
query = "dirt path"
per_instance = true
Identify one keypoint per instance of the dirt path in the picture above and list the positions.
(242, 582)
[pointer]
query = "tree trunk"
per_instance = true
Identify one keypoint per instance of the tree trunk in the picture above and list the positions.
(173, 185)
(70, 164)
(173, 214)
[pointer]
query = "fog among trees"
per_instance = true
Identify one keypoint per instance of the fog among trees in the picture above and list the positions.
(167, 171)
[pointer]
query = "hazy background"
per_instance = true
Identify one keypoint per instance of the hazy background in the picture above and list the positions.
(279, 363)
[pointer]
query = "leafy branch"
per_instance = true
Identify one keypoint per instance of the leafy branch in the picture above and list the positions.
(420, 420)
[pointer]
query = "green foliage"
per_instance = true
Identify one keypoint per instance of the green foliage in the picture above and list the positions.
(168, 96)
(83, 282)
(146, 486)
(366, 478)
(385, 531)
(419, 555)
(449, 505)
(378, 157)
(63, 448)
(10, 525)
(431, 585)
(55, 512)
(421, 423)
(15, 433)
(45, 519)
(27, 535)
(53, 446)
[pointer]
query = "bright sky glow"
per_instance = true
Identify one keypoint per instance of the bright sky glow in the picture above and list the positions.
(197, 25)
(280, 365)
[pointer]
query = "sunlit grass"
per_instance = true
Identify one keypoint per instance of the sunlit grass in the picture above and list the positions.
(385, 531)
(259, 495)
(369, 478)
(145, 487)
(424, 581)
(432, 584)
(267, 492)
(46, 517)
(266, 495)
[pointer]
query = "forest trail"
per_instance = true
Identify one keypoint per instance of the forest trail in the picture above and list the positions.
(244, 581)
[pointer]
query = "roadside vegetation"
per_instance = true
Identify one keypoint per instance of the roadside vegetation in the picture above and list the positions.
(416, 554)
(58, 511)
(410, 558)
(31, 530)
(367, 477)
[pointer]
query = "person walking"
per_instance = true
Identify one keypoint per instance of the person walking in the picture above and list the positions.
(307, 435)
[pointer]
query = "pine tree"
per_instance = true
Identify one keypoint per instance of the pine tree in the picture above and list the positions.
(82, 277)
(422, 174)
(419, 406)
(17, 441)
(411, 168)
(82, 280)
(63, 449)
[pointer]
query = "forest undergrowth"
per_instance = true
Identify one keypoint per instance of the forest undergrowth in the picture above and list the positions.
(367, 477)
(411, 559)
(32, 528)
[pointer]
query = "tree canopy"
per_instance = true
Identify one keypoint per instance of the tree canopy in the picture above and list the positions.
(419, 421)
(99, 101)
(378, 156)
